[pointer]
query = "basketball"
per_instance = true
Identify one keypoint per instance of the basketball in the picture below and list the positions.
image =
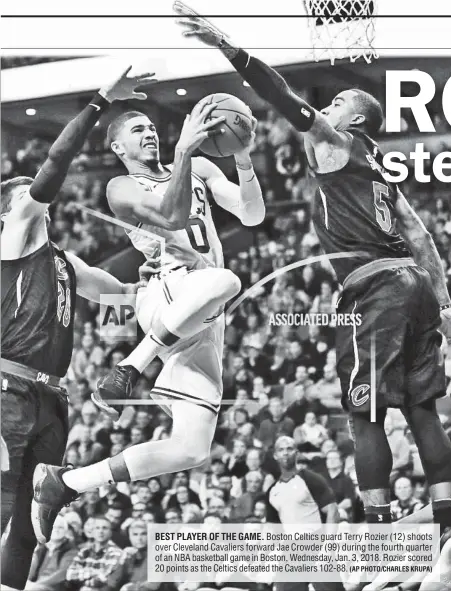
(237, 126)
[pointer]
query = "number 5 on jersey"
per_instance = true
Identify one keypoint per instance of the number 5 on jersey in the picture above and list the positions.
(197, 234)
(383, 215)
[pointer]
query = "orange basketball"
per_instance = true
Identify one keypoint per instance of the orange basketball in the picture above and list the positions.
(237, 126)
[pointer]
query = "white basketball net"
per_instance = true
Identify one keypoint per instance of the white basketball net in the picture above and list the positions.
(351, 39)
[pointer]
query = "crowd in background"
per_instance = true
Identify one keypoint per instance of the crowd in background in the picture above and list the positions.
(278, 379)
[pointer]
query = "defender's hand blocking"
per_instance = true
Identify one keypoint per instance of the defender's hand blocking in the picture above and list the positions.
(244, 154)
(123, 87)
(195, 130)
(197, 26)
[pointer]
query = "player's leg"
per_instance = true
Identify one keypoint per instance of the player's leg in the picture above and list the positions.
(191, 371)
(191, 300)
(425, 382)
(368, 366)
(18, 419)
(188, 447)
(49, 445)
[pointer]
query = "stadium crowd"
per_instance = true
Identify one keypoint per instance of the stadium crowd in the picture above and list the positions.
(279, 378)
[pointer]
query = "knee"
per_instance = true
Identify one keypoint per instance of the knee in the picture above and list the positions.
(194, 454)
(227, 284)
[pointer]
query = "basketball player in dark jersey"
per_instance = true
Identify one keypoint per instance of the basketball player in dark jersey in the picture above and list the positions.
(393, 277)
(39, 284)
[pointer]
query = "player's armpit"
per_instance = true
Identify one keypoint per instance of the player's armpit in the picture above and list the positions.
(133, 203)
(23, 228)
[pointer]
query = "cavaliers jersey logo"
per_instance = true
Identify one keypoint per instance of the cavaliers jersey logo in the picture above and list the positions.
(61, 271)
(64, 295)
(360, 395)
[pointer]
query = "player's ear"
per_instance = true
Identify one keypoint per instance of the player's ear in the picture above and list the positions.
(117, 148)
(358, 119)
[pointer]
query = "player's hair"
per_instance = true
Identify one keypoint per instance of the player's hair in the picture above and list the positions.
(116, 125)
(371, 108)
(7, 190)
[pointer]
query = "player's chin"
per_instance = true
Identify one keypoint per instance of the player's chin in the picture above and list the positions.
(150, 155)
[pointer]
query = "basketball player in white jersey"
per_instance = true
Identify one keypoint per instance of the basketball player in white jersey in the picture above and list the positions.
(181, 312)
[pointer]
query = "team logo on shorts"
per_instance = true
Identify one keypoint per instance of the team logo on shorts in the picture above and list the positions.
(360, 395)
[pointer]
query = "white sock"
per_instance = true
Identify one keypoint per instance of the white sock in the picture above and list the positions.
(83, 479)
(144, 353)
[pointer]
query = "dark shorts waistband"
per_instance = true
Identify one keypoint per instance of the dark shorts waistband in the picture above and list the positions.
(374, 267)
(22, 371)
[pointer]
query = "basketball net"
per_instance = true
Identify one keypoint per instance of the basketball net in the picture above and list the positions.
(342, 29)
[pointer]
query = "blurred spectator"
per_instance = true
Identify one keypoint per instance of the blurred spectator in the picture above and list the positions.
(310, 431)
(90, 353)
(328, 388)
(276, 425)
(51, 561)
(301, 381)
(98, 564)
(305, 402)
(405, 502)
(135, 555)
(340, 483)
(243, 506)
(235, 462)
(115, 515)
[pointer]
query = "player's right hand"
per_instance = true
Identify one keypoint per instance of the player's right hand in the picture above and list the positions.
(124, 87)
(195, 129)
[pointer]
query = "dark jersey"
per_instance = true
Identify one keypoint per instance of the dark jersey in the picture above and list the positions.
(354, 209)
(38, 299)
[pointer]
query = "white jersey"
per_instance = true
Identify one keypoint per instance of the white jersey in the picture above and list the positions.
(196, 247)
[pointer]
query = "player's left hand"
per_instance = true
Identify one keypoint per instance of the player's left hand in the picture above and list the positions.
(197, 26)
(124, 87)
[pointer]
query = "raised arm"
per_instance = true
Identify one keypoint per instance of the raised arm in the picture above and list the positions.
(266, 82)
(426, 255)
(54, 170)
(24, 226)
(245, 200)
(134, 202)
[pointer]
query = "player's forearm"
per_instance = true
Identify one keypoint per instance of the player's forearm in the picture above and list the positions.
(54, 170)
(100, 284)
(426, 255)
(270, 86)
(252, 208)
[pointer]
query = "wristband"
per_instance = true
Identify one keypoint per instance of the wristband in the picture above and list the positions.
(241, 60)
(239, 167)
(445, 307)
(99, 103)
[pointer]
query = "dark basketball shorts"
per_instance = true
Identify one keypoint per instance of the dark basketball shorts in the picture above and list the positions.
(394, 353)
(34, 426)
